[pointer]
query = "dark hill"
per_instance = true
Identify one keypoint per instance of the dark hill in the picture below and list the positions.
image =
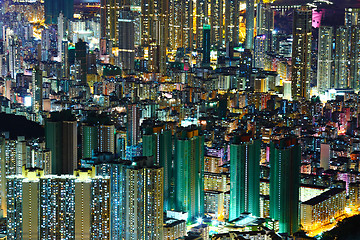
(20, 126)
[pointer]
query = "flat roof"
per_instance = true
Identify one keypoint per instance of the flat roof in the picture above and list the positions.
(324, 196)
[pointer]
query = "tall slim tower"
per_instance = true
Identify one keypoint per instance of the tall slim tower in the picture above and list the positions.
(244, 176)
(265, 23)
(117, 173)
(81, 58)
(89, 140)
(355, 57)
(133, 124)
(144, 200)
(301, 53)
(232, 11)
(216, 22)
(109, 16)
(341, 78)
(285, 161)
(155, 32)
(206, 45)
(189, 173)
(61, 139)
(106, 139)
(37, 90)
(201, 15)
(157, 143)
(250, 16)
(324, 67)
(126, 40)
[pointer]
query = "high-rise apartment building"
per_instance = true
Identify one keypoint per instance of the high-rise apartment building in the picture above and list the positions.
(126, 39)
(158, 143)
(61, 140)
(60, 207)
(259, 51)
(81, 59)
(341, 71)
(202, 13)
(189, 172)
(232, 11)
(265, 23)
(133, 124)
(354, 57)
(206, 45)
(117, 173)
(301, 53)
(244, 176)
(106, 139)
(144, 200)
(181, 23)
(250, 17)
(285, 161)
(89, 141)
(155, 32)
(324, 67)
(352, 17)
(216, 22)
(37, 90)
(109, 17)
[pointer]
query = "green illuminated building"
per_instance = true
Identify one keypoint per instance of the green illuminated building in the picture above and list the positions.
(244, 176)
(285, 160)
(89, 140)
(157, 142)
(189, 173)
(61, 139)
(206, 44)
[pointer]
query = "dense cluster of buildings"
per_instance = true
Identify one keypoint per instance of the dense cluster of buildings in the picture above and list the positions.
(177, 119)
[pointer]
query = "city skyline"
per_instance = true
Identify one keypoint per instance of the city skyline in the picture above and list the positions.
(179, 119)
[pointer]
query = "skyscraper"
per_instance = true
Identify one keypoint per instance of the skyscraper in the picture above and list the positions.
(324, 68)
(144, 200)
(341, 71)
(106, 139)
(58, 207)
(80, 57)
(37, 90)
(155, 32)
(189, 172)
(54, 7)
(181, 32)
(89, 140)
(216, 22)
(109, 16)
(352, 17)
(355, 57)
(206, 45)
(301, 53)
(250, 16)
(61, 139)
(265, 23)
(117, 173)
(259, 51)
(232, 11)
(244, 176)
(126, 40)
(285, 161)
(2, 178)
(157, 142)
(202, 9)
(133, 124)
